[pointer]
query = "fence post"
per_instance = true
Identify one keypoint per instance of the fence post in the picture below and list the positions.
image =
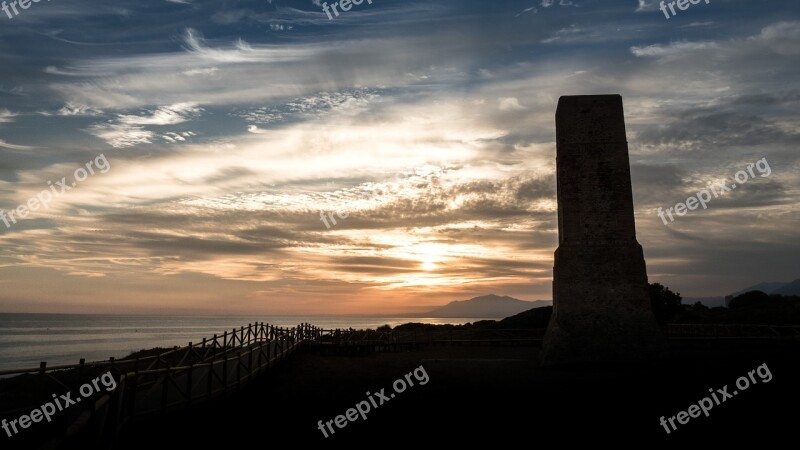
(42, 369)
(250, 363)
(133, 390)
(238, 369)
(164, 393)
(81, 367)
(210, 381)
(189, 383)
(259, 347)
(225, 374)
(269, 352)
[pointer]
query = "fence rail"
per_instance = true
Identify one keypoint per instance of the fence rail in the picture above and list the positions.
(159, 383)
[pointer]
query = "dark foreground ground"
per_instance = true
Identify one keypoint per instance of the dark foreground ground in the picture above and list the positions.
(497, 394)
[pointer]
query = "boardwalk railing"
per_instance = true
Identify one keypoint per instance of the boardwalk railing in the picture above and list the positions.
(157, 383)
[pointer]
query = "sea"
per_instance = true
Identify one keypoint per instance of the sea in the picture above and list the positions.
(58, 339)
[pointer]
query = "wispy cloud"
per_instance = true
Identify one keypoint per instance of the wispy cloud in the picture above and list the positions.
(10, 146)
(164, 115)
(122, 135)
(6, 116)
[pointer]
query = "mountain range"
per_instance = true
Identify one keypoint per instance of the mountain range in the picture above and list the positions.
(497, 307)
(776, 287)
(485, 307)
(782, 288)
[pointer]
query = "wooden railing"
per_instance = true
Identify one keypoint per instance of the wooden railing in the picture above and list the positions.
(158, 383)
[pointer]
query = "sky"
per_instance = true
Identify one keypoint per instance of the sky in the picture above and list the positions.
(237, 157)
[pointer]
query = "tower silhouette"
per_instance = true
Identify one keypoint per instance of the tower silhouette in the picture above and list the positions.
(601, 305)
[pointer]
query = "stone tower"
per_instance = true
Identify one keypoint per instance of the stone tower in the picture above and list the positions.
(601, 305)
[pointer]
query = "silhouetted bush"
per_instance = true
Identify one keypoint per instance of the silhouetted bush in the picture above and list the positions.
(750, 308)
(666, 304)
(532, 318)
(749, 298)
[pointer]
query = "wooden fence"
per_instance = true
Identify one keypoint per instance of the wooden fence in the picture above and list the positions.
(154, 384)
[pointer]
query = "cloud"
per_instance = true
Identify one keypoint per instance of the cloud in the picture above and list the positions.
(10, 146)
(570, 33)
(71, 109)
(6, 116)
(239, 52)
(280, 27)
(122, 135)
(782, 37)
(128, 130)
(549, 3)
(173, 137)
(510, 104)
(673, 50)
(349, 102)
(647, 5)
(164, 115)
(203, 71)
(531, 10)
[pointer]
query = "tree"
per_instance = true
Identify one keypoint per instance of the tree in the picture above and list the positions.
(666, 304)
(699, 307)
(749, 298)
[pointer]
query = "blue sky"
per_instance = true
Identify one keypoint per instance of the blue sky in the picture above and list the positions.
(230, 125)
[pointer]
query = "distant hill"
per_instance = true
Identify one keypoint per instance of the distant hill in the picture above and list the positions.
(487, 306)
(532, 318)
(710, 302)
(792, 288)
(765, 287)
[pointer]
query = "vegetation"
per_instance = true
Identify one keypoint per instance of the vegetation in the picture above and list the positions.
(751, 308)
(666, 304)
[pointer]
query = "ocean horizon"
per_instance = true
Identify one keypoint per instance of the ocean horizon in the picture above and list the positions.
(26, 339)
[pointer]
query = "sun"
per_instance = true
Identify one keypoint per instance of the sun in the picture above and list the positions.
(429, 259)
(429, 265)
